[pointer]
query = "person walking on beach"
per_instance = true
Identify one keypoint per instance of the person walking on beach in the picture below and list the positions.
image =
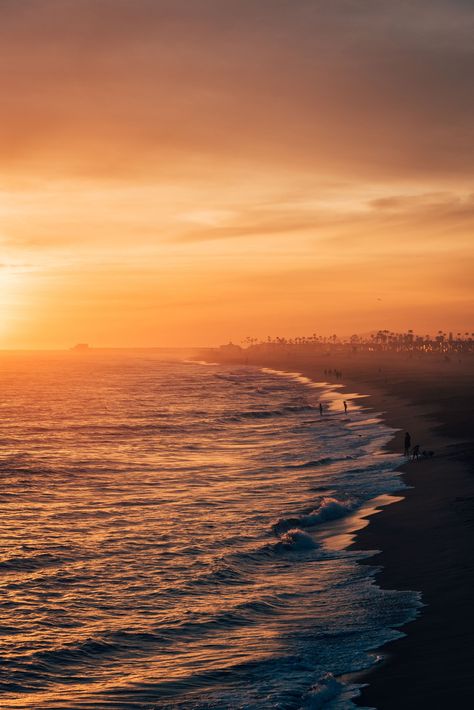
(321, 409)
(416, 452)
(345, 407)
(407, 444)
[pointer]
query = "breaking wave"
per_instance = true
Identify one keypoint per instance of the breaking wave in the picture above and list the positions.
(327, 510)
(322, 693)
(295, 539)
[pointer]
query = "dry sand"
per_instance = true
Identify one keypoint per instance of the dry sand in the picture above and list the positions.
(426, 539)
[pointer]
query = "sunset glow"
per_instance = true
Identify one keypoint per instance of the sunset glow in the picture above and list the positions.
(179, 173)
(236, 354)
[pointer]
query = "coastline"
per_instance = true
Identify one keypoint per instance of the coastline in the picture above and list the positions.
(426, 538)
(425, 544)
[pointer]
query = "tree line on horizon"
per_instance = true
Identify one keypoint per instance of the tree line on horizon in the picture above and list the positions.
(409, 341)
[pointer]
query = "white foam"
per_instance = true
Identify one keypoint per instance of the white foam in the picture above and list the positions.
(328, 509)
(296, 539)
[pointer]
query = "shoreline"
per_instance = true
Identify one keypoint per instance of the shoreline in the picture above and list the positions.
(425, 540)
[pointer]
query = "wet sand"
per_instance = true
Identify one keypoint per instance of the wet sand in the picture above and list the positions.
(427, 539)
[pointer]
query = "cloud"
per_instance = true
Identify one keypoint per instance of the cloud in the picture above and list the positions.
(136, 86)
(428, 216)
(444, 203)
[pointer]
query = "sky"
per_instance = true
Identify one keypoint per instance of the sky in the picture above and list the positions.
(189, 172)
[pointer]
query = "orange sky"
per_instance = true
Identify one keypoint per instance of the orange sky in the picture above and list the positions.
(178, 172)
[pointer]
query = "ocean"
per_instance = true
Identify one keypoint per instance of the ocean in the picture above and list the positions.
(174, 535)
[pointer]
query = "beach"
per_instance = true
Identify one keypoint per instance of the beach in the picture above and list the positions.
(426, 539)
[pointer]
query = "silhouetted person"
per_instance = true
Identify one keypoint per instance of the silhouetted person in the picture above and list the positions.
(345, 407)
(407, 444)
(416, 452)
(321, 409)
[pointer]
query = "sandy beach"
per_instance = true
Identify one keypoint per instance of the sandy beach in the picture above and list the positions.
(425, 540)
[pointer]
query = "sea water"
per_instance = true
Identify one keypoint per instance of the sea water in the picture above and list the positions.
(167, 536)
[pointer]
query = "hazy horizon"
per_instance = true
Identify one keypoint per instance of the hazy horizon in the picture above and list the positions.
(178, 172)
(248, 341)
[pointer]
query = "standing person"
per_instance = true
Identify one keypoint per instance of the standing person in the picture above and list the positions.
(416, 452)
(345, 407)
(407, 444)
(321, 409)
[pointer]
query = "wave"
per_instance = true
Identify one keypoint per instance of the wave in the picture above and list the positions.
(84, 651)
(125, 641)
(200, 362)
(225, 574)
(315, 463)
(321, 693)
(328, 509)
(236, 569)
(378, 467)
(295, 539)
(29, 564)
(265, 413)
